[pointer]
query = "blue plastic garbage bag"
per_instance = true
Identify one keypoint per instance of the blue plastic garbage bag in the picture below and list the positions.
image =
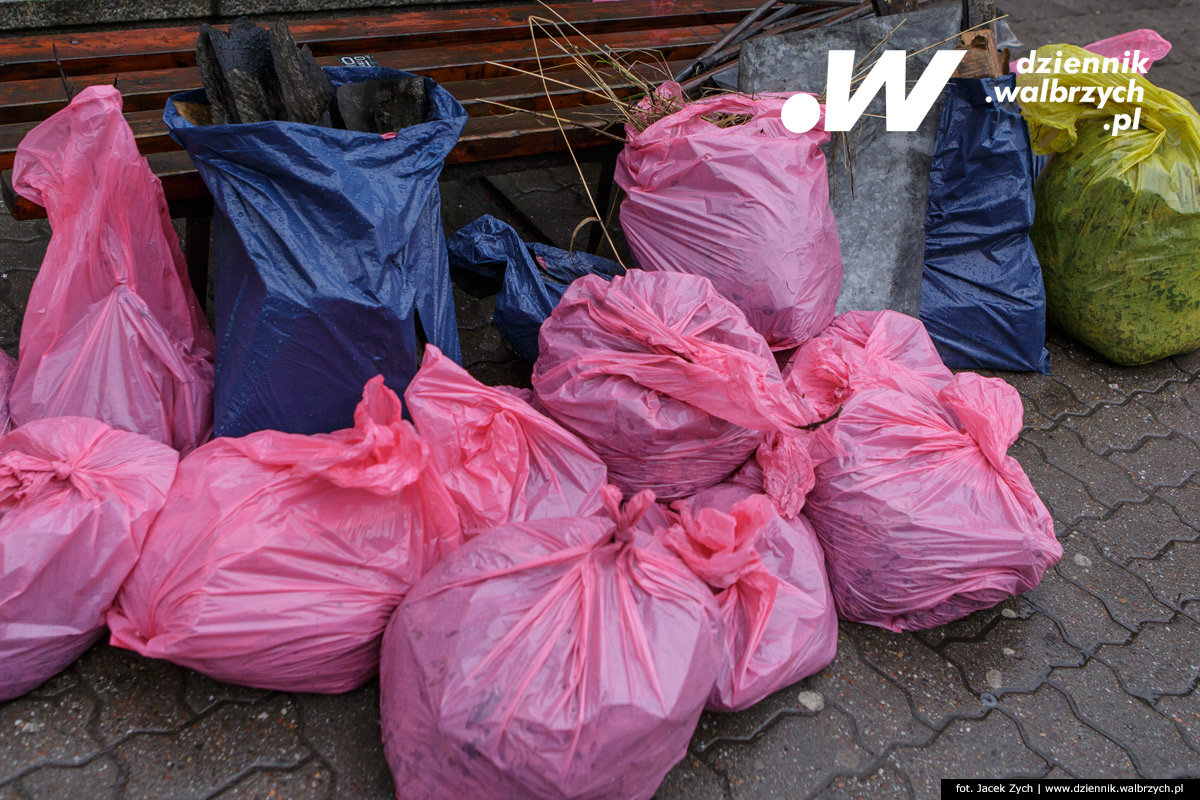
(487, 257)
(982, 298)
(329, 259)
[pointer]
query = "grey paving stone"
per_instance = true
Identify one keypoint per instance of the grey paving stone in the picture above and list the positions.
(1164, 658)
(986, 748)
(36, 732)
(1161, 462)
(1154, 744)
(1014, 655)
(514, 372)
(1116, 427)
(691, 779)
(344, 730)
(1083, 618)
(199, 759)
(1177, 405)
(793, 758)
(1066, 498)
(1109, 484)
(973, 626)
(1046, 394)
(1138, 531)
(201, 692)
(878, 707)
(744, 726)
(483, 345)
(884, 783)
(1173, 576)
(1185, 500)
(1071, 368)
(1184, 711)
(62, 682)
(97, 780)
(1189, 362)
(1148, 378)
(9, 792)
(555, 198)
(934, 686)
(1052, 730)
(1127, 599)
(473, 313)
(135, 693)
(310, 781)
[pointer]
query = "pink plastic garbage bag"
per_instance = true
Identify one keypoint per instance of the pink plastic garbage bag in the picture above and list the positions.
(782, 469)
(663, 378)
(548, 660)
(112, 330)
(501, 460)
(8, 368)
(780, 623)
(279, 557)
(76, 500)
(922, 515)
(862, 348)
(746, 205)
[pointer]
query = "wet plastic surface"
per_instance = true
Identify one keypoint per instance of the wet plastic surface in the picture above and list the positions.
(329, 260)
(746, 206)
(279, 558)
(487, 257)
(1118, 217)
(922, 514)
(76, 500)
(663, 378)
(553, 659)
(501, 460)
(769, 574)
(113, 330)
(982, 298)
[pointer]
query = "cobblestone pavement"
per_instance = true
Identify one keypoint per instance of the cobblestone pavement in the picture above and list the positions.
(1094, 673)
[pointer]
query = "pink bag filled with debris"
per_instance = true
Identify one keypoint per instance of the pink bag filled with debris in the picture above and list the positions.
(8, 368)
(279, 558)
(501, 460)
(112, 330)
(780, 622)
(922, 515)
(549, 660)
(861, 348)
(663, 378)
(745, 204)
(76, 500)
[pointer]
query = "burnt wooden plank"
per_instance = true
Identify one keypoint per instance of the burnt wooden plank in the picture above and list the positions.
(32, 56)
(522, 91)
(500, 141)
(25, 101)
(885, 8)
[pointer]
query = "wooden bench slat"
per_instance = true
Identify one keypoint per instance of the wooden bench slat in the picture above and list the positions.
(26, 101)
(522, 91)
(485, 139)
(32, 56)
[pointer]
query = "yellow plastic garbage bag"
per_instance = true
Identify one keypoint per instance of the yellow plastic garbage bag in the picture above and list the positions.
(1117, 226)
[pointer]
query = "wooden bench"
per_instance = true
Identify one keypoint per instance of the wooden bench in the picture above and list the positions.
(458, 47)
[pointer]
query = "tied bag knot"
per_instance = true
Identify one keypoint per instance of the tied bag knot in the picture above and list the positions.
(722, 549)
(24, 475)
(625, 515)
